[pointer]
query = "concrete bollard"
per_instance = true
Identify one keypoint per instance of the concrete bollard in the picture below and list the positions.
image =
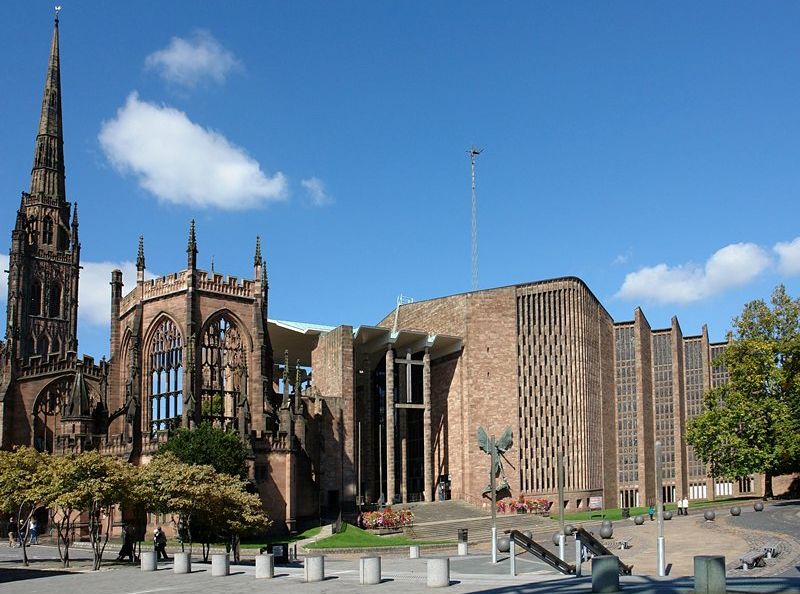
(369, 571)
(709, 574)
(265, 566)
(605, 573)
(183, 563)
(438, 572)
(220, 565)
(149, 560)
(314, 568)
(463, 549)
(413, 552)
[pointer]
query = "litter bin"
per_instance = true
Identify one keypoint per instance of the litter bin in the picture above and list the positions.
(626, 512)
(279, 550)
(463, 535)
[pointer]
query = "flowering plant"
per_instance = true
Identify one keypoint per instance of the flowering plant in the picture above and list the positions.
(522, 505)
(387, 518)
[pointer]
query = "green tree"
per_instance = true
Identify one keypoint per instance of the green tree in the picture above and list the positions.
(209, 504)
(91, 484)
(752, 423)
(24, 480)
(223, 450)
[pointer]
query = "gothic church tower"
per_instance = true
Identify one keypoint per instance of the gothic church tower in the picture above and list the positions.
(44, 259)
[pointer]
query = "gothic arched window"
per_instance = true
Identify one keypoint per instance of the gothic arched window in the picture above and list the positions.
(43, 346)
(47, 414)
(165, 377)
(47, 231)
(223, 365)
(36, 298)
(55, 300)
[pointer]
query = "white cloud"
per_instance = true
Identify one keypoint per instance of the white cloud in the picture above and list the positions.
(94, 290)
(183, 163)
(732, 266)
(3, 278)
(621, 259)
(315, 188)
(188, 62)
(788, 256)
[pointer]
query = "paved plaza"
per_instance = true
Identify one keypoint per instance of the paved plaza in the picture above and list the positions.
(686, 537)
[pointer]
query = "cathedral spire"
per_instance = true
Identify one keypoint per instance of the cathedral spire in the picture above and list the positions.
(47, 174)
(191, 248)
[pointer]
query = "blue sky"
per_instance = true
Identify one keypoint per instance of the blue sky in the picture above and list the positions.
(649, 148)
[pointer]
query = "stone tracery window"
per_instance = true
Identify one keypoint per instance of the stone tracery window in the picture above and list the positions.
(223, 364)
(47, 231)
(47, 410)
(165, 377)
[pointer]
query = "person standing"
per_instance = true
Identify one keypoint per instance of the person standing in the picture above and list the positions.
(651, 512)
(685, 506)
(34, 532)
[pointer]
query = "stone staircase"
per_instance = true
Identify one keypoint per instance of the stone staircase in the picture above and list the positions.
(441, 520)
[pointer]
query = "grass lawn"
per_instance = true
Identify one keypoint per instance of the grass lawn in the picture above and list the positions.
(267, 541)
(616, 513)
(352, 537)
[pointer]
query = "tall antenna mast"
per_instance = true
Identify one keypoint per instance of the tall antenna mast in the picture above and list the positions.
(473, 152)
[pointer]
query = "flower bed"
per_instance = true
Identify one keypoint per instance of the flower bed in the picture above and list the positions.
(386, 519)
(524, 506)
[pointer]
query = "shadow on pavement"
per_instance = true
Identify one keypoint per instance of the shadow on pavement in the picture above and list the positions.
(8, 575)
(683, 585)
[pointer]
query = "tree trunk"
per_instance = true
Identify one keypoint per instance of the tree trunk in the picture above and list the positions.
(768, 485)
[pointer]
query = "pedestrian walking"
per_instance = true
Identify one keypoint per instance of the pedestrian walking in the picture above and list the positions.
(685, 506)
(651, 512)
(160, 544)
(127, 544)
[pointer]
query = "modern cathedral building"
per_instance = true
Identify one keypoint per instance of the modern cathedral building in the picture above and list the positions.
(336, 417)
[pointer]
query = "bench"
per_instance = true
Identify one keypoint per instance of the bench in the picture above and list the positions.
(623, 543)
(754, 558)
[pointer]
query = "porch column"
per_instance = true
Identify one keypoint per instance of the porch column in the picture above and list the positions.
(427, 441)
(389, 426)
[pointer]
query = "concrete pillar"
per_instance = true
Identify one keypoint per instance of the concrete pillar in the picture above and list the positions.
(403, 430)
(183, 563)
(605, 573)
(148, 560)
(438, 572)
(314, 568)
(369, 571)
(220, 565)
(389, 426)
(265, 566)
(427, 438)
(463, 549)
(413, 552)
(709, 574)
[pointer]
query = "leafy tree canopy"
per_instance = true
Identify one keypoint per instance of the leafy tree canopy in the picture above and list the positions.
(752, 423)
(223, 450)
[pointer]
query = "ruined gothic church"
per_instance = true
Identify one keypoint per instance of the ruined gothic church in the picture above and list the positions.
(185, 348)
